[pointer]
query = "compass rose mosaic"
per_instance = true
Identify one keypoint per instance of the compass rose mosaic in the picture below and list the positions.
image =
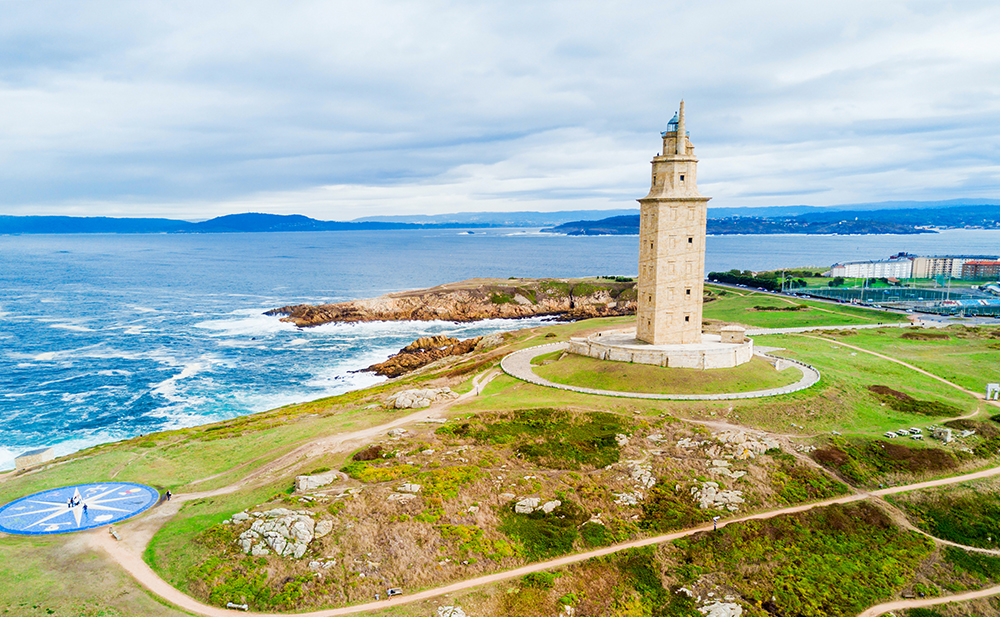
(76, 508)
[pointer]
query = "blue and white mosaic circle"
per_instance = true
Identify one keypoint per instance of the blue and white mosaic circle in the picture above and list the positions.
(76, 508)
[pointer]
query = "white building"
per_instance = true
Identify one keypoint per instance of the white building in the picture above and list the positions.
(900, 267)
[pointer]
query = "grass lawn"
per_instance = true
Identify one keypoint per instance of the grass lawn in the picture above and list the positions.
(846, 376)
(966, 356)
(587, 372)
(58, 575)
(738, 306)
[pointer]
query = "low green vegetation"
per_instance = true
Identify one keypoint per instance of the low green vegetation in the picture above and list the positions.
(799, 483)
(865, 462)
(445, 482)
(549, 437)
(668, 508)
(969, 516)
(541, 534)
(468, 542)
(904, 403)
(581, 371)
(831, 561)
(843, 400)
(244, 579)
(984, 567)
(367, 473)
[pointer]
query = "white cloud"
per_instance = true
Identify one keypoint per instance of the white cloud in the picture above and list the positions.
(338, 110)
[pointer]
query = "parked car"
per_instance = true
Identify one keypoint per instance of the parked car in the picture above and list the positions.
(889, 434)
(915, 431)
(393, 591)
(916, 436)
(902, 432)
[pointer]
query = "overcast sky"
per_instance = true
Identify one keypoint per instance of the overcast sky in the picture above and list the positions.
(339, 110)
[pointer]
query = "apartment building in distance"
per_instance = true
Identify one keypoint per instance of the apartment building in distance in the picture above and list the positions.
(898, 266)
(905, 266)
(981, 270)
(944, 265)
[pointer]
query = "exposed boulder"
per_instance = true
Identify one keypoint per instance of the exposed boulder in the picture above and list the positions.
(549, 506)
(419, 398)
(527, 505)
(313, 482)
(721, 609)
(323, 528)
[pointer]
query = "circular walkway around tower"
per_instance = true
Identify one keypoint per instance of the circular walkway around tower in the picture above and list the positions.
(76, 508)
(518, 365)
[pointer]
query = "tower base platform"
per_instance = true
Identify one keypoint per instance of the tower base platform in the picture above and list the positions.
(622, 346)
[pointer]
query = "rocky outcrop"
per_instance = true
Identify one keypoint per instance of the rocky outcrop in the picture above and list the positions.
(417, 399)
(280, 531)
(710, 495)
(531, 504)
(717, 608)
(313, 482)
(422, 352)
(478, 299)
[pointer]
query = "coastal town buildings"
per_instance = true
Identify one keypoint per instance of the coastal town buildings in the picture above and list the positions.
(944, 265)
(905, 266)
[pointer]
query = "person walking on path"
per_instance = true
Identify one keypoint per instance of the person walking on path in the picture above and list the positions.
(169, 495)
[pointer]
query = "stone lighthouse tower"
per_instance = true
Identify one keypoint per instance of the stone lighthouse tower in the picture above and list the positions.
(672, 244)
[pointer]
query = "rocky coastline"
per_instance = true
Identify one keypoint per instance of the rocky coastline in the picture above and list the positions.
(425, 350)
(477, 299)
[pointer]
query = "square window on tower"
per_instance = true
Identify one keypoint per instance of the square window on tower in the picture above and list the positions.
(687, 318)
(687, 292)
(682, 177)
(690, 240)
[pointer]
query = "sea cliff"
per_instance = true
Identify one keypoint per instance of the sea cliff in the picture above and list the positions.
(476, 299)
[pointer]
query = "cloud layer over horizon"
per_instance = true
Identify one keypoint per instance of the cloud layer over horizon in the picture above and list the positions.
(341, 110)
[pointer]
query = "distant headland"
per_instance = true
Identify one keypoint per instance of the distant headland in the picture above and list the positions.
(841, 222)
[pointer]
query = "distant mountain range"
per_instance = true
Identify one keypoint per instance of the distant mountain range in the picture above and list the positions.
(887, 217)
(815, 221)
(231, 223)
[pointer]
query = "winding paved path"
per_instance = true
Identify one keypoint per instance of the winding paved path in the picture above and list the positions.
(518, 365)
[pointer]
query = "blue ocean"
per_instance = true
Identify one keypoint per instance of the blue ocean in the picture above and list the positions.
(105, 337)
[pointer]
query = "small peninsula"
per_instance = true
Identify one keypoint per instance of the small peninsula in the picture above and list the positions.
(476, 299)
